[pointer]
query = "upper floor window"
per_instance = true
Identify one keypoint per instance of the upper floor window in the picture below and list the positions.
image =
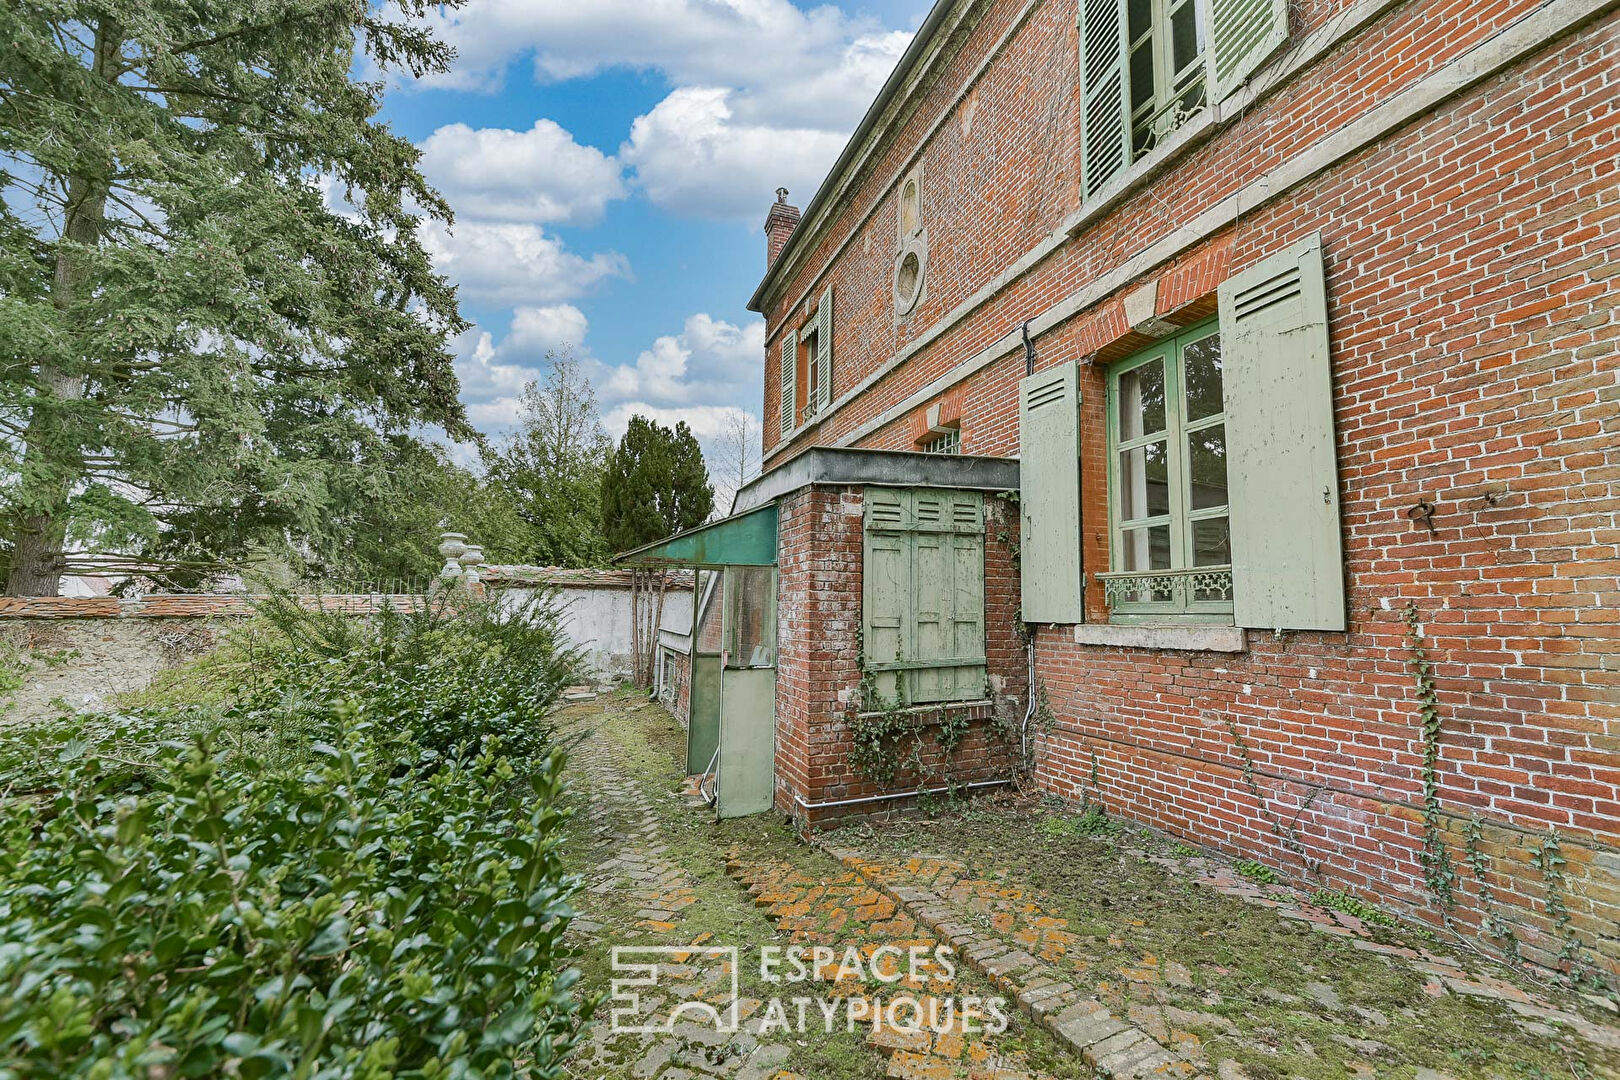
(805, 374)
(1146, 66)
(1168, 510)
(1166, 66)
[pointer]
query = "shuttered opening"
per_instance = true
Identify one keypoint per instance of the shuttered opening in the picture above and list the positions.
(1287, 552)
(1049, 496)
(787, 376)
(1105, 136)
(923, 595)
(1243, 35)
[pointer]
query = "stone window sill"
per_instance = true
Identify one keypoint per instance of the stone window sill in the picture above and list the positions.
(931, 709)
(1182, 637)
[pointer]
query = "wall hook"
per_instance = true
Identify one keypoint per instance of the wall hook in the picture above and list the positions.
(1424, 512)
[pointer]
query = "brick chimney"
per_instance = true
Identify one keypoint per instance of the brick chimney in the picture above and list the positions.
(779, 226)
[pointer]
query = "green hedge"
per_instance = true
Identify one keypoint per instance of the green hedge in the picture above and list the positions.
(340, 873)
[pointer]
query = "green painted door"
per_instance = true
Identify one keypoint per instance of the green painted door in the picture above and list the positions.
(703, 723)
(748, 740)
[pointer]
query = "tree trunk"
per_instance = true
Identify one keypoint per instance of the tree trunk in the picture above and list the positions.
(53, 457)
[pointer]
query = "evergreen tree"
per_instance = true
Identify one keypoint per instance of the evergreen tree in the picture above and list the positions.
(191, 335)
(656, 484)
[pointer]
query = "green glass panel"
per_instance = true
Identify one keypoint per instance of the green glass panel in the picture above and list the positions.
(1201, 365)
(1141, 77)
(1184, 36)
(1206, 464)
(1144, 482)
(1146, 548)
(1141, 400)
(1212, 542)
(1140, 18)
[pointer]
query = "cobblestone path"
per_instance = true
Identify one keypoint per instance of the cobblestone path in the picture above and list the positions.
(1097, 988)
(647, 852)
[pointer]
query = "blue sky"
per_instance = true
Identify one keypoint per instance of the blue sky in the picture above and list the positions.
(611, 163)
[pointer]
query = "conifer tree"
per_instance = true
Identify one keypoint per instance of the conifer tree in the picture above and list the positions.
(214, 307)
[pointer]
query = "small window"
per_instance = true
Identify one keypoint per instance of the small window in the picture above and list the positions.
(948, 441)
(810, 340)
(1171, 550)
(1166, 67)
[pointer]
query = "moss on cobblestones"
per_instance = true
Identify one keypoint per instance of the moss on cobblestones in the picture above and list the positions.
(646, 747)
(1271, 993)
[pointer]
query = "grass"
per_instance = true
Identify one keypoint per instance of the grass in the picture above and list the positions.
(648, 745)
(1250, 967)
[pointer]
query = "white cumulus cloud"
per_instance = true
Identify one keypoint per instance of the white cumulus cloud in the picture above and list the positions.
(541, 175)
(710, 360)
(692, 156)
(512, 263)
(764, 92)
(537, 329)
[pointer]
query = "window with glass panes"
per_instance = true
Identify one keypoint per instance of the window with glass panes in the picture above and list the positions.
(1166, 47)
(1168, 517)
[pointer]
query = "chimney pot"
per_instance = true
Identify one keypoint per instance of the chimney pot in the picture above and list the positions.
(779, 226)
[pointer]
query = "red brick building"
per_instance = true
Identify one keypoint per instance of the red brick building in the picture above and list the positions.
(1300, 320)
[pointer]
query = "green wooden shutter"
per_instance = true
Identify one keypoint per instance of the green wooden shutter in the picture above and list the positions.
(824, 351)
(967, 598)
(1287, 560)
(1049, 496)
(1105, 134)
(947, 588)
(790, 358)
(886, 589)
(923, 594)
(1242, 35)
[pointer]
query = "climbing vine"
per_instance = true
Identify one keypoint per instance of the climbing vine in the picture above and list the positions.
(1549, 859)
(1438, 872)
(1491, 924)
(887, 737)
(1286, 832)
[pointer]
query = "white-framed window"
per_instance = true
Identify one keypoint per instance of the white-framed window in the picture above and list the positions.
(1147, 66)
(1166, 67)
(948, 441)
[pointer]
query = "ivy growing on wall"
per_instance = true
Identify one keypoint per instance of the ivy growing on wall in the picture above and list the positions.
(1438, 873)
(1491, 923)
(887, 737)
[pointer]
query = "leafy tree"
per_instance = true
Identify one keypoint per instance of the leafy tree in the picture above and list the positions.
(192, 334)
(549, 471)
(656, 484)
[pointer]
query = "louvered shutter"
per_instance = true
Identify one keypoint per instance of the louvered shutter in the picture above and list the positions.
(886, 590)
(1049, 496)
(790, 363)
(967, 597)
(923, 595)
(1105, 136)
(824, 351)
(1243, 35)
(1287, 559)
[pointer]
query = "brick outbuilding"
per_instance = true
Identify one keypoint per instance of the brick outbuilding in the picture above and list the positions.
(1268, 351)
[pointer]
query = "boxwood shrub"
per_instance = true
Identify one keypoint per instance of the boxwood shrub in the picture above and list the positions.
(352, 869)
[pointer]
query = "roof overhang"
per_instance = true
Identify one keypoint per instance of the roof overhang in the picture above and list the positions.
(743, 539)
(848, 467)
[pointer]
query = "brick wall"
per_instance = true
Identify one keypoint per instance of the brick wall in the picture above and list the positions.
(1470, 257)
(818, 669)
